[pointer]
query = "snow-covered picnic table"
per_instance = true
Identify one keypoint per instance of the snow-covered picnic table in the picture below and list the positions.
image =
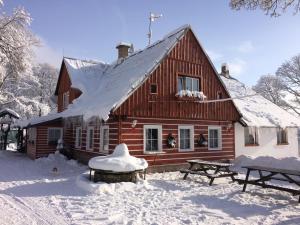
(201, 167)
(269, 173)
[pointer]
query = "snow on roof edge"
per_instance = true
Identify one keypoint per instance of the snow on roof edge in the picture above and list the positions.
(257, 110)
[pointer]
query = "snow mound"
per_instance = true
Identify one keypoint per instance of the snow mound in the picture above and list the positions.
(84, 183)
(58, 161)
(289, 163)
(119, 161)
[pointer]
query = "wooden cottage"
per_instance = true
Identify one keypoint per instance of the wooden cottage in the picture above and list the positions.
(159, 101)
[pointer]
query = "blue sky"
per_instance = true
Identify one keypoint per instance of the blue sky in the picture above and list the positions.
(252, 43)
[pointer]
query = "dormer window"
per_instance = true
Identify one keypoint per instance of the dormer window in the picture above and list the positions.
(66, 99)
(188, 83)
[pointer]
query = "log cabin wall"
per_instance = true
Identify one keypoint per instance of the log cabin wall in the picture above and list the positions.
(134, 138)
(81, 153)
(186, 58)
(42, 147)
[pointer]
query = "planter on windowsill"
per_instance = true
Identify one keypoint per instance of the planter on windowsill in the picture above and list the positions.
(190, 95)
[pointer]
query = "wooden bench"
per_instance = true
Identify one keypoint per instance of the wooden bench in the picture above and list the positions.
(288, 176)
(218, 169)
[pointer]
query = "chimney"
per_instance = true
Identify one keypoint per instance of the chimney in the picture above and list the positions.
(123, 49)
(225, 70)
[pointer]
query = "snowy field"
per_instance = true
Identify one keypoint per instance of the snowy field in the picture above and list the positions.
(30, 193)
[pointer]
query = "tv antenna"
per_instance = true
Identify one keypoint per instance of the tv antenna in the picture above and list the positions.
(152, 18)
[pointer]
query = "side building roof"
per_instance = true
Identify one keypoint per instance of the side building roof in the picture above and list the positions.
(255, 109)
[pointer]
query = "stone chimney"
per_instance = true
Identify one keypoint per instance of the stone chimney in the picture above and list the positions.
(225, 70)
(123, 49)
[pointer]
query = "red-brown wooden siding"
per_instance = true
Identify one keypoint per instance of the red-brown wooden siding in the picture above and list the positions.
(64, 85)
(42, 146)
(134, 138)
(186, 58)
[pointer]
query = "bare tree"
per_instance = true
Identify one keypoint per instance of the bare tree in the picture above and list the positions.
(270, 7)
(289, 74)
(16, 41)
(270, 87)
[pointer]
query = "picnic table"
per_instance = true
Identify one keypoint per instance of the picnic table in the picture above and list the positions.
(267, 174)
(202, 168)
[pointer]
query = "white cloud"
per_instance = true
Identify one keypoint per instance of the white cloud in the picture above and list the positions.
(245, 47)
(214, 56)
(237, 66)
(46, 54)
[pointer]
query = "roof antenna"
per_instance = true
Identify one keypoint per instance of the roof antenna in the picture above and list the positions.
(152, 18)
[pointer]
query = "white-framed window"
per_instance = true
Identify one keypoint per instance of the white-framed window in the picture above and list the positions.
(66, 96)
(78, 136)
(214, 138)
(54, 134)
(251, 135)
(90, 138)
(188, 83)
(104, 139)
(152, 138)
(186, 138)
(282, 136)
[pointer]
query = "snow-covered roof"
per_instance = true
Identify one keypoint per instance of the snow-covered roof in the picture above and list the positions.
(106, 86)
(257, 110)
(37, 120)
(11, 112)
(83, 72)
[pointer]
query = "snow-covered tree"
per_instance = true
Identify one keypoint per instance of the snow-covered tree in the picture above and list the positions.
(271, 88)
(270, 7)
(47, 78)
(24, 86)
(16, 41)
(30, 94)
(289, 74)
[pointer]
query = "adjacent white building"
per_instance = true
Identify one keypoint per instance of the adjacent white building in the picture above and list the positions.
(265, 129)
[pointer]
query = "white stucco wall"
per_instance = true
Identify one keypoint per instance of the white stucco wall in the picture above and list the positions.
(267, 143)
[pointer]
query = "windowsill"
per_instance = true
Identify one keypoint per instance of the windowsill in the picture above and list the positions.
(185, 150)
(283, 144)
(153, 152)
(251, 145)
(214, 149)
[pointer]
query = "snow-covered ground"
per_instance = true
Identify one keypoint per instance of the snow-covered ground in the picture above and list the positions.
(31, 193)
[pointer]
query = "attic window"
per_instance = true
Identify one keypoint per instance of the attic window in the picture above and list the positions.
(66, 96)
(219, 95)
(153, 89)
(188, 83)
